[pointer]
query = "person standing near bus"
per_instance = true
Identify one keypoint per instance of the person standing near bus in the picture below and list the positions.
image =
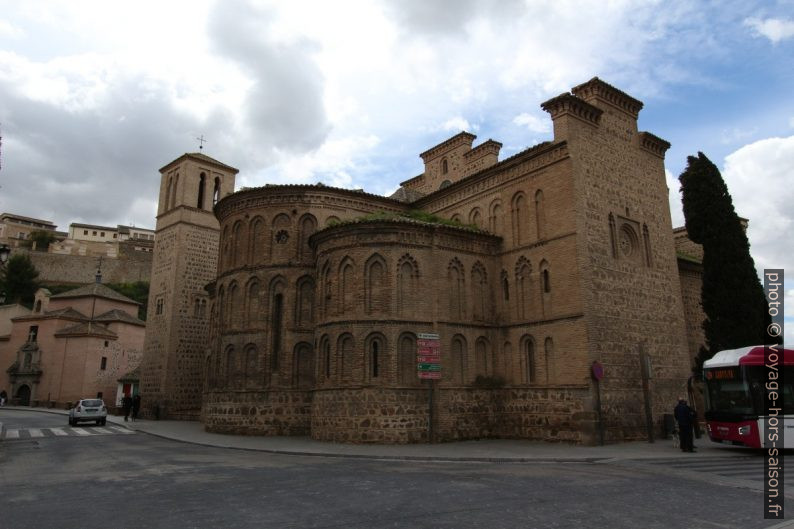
(684, 416)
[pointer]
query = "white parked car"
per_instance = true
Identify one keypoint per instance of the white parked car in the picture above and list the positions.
(88, 410)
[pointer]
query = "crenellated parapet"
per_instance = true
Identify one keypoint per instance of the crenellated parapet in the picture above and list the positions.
(654, 144)
(570, 105)
(596, 89)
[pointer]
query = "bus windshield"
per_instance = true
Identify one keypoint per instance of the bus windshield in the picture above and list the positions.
(740, 390)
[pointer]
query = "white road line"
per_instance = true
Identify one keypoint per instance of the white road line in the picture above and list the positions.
(58, 431)
(103, 430)
(12, 434)
(120, 429)
(80, 431)
(35, 432)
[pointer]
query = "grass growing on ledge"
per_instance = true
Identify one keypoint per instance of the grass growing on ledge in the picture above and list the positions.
(415, 214)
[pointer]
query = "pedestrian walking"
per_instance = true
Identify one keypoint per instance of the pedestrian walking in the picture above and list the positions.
(685, 417)
(126, 405)
(136, 406)
(3, 397)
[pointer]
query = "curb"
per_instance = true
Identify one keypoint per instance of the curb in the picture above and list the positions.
(374, 457)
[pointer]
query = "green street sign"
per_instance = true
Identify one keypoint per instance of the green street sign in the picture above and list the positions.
(428, 367)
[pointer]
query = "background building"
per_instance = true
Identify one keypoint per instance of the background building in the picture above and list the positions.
(71, 346)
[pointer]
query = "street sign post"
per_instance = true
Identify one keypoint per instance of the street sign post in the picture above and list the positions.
(428, 367)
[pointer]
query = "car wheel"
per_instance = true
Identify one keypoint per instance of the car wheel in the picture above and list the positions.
(71, 422)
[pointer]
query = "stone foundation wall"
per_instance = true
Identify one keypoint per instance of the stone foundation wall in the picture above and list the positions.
(279, 412)
(81, 269)
(370, 415)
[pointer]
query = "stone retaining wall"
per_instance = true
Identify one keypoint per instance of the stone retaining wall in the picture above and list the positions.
(278, 412)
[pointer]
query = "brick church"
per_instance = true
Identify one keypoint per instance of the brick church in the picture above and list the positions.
(300, 309)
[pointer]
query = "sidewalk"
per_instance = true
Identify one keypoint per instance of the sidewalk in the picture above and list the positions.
(490, 450)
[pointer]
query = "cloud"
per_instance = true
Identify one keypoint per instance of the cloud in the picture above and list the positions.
(533, 123)
(457, 124)
(775, 29)
(9, 31)
(283, 108)
(758, 178)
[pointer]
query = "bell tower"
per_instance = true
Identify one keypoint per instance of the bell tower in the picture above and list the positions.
(185, 260)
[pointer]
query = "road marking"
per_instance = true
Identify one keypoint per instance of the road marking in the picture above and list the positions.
(12, 434)
(58, 431)
(80, 431)
(102, 430)
(120, 429)
(35, 432)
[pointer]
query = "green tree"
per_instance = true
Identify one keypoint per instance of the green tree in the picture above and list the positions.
(42, 238)
(732, 296)
(136, 291)
(18, 280)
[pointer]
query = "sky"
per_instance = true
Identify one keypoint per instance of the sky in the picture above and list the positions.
(96, 96)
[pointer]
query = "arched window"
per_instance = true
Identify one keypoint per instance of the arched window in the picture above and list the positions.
(174, 191)
(456, 291)
(281, 243)
(376, 285)
(407, 360)
(375, 347)
(345, 357)
(475, 217)
(496, 219)
(257, 242)
(233, 308)
(253, 311)
(305, 302)
(505, 286)
(216, 376)
(444, 166)
(308, 225)
(38, 306)
(479, 291)
(551, 368)
(167, 204)
(276, 321)
(407, 278)
(523, 288)
(325, 357)
(347, 287)
(201, 183)
(216, 191)
(231, 368)
(540, 213)
(458, 360)
(251, 367)
(303, 366)
(325, 289)
(519, 217)
(238, 244)
(482, 357)
(528, 348)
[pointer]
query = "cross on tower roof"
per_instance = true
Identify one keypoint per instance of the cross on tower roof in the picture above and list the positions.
(201, 142)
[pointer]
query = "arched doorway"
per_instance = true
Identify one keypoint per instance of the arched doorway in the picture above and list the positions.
(23, 395)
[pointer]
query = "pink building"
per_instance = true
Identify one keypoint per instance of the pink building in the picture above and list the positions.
(73, 345)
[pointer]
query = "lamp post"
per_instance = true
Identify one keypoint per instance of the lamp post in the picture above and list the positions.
(5, 251)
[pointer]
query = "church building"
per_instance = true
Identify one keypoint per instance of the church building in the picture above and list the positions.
(472, 303)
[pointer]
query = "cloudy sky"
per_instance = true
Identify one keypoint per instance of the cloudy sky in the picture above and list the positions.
(95, 96)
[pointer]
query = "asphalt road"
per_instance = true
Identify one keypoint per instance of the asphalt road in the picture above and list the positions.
(119, 481)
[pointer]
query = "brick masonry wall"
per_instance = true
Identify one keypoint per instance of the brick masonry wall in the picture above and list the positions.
(632, 300)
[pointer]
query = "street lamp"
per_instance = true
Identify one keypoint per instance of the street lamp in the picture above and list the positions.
(5, 251)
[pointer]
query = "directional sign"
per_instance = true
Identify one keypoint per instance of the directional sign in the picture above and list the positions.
(428, 359)
(428, 336)
(430, 375)
(428, 367)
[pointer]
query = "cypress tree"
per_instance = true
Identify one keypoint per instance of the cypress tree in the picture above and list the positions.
(737, 313)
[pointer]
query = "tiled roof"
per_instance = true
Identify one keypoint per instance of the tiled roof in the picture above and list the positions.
(87, 329)
(94, 289)
(119, 315)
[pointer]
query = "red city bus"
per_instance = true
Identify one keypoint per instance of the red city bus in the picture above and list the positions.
(735, 396)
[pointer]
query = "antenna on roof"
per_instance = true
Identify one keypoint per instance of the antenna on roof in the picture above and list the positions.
(202, 141)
